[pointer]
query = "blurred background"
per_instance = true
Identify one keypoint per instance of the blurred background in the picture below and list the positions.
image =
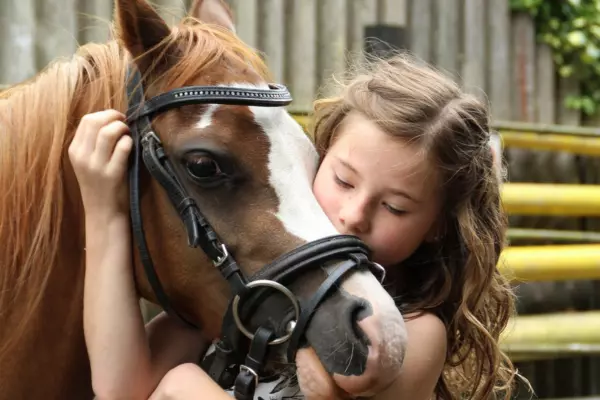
(537, 64)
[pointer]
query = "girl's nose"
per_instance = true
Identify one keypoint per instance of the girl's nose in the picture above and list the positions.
(354, 217)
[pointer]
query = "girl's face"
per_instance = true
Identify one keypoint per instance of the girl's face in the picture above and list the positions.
(379, 188)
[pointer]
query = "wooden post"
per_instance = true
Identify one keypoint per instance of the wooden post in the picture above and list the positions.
(56, 31)
(94, 19)
(446, 47)
(331, 43)
(474, 64)
(362, 13)
(301, 65)
(271, 37)
(245, 13)
(17, 47)
(499, 66)
(421, 28)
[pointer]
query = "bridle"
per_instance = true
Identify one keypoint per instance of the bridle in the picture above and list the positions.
(227, 366)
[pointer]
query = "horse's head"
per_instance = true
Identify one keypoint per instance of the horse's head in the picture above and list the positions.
(236, 157)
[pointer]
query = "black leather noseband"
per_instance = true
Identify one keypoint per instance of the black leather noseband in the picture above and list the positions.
(228, 366)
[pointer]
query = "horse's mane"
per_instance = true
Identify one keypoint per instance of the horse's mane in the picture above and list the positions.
(38, 118)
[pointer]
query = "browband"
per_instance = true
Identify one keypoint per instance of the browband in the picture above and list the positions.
(276, 96)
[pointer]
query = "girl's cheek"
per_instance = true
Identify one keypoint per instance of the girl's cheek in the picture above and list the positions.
(326, 196)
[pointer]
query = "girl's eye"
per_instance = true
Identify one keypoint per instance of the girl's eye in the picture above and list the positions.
(394, 210)
(341, 182)
(203, 167)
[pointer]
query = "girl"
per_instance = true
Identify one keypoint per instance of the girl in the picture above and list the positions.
(405, 164)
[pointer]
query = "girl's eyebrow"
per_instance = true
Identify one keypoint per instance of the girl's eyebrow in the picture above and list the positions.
(347, 165)
(402, 193)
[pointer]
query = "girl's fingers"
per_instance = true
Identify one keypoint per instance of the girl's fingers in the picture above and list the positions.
(89, 127)
(107, 139)
(118, 161)
(315, 381)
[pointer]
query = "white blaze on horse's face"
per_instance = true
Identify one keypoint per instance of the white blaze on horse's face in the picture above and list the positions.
(292, 168)
(206, 118)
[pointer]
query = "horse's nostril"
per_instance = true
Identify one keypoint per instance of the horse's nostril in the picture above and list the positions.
(340, 325)
(360, 311)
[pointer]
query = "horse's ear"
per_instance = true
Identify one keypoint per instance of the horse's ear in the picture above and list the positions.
(141, 30)
(213, 12)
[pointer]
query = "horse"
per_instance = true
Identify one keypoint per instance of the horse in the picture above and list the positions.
(246, 248)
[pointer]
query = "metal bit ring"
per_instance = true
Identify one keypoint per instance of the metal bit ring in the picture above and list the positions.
(273, 285)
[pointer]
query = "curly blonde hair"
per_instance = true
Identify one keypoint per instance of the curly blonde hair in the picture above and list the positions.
(456, 277)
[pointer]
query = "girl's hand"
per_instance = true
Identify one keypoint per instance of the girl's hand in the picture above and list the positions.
(315, 381)
(99, 153)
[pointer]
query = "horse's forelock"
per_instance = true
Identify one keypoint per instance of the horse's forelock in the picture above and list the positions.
(207, 48)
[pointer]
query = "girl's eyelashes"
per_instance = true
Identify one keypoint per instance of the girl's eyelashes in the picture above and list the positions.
(394, 210)
(341, 182)
(345, 185)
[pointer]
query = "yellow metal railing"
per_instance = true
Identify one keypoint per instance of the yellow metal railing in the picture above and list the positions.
(589, 146)
(551, 263)
(553, 235)
(544, 129)
(551, 199)
(545, 336)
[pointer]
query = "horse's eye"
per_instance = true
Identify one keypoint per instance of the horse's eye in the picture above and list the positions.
(203, 167)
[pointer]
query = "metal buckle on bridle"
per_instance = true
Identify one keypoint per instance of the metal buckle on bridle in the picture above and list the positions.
(251, 372)
(273, 285)
(380, 270)
(150, 134)
(220, 260)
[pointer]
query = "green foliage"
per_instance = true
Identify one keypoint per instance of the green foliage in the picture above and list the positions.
(572, 29)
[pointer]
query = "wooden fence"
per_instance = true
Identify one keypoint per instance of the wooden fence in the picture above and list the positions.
(490, 50)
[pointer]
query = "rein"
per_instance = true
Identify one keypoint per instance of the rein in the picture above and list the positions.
(229, 366)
